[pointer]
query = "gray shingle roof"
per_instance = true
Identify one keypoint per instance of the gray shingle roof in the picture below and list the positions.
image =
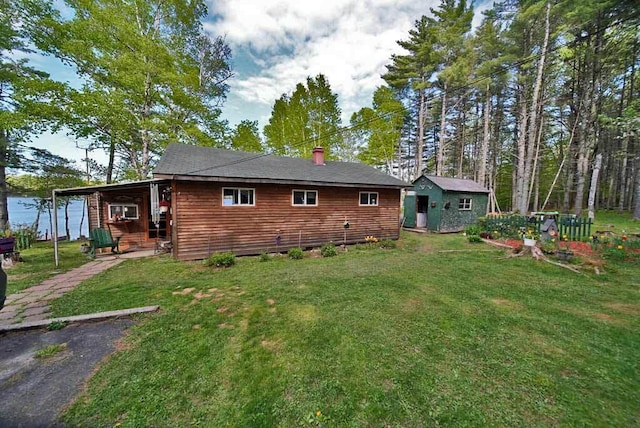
(456, 184)
(202, 163)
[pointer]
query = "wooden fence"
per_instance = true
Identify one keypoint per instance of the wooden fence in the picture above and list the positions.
(575, 228)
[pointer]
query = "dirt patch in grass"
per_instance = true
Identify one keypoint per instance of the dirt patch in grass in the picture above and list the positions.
(202, 295)
(610, 319)
(593, 315)
(183, 292)
(543, 344)
(625, 308)
(271, 345)
(508, 304)
(412, 305)
(425, 247)
(306, 313)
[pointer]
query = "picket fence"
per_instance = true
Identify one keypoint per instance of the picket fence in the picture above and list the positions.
(574, 228)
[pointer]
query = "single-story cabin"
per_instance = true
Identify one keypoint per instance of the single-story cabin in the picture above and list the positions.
(207, 200)
(443, 204)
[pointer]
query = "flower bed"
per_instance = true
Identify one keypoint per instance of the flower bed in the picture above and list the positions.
(581, 248)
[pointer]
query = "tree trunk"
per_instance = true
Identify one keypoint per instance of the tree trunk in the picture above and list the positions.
(4, 208)
(594, 186)
(66, 219)
(520, 156)
(112, 157)
(636, 211)
(533, 121)
(623, 171)
(443, 124)
(484, 150)
(420, 136)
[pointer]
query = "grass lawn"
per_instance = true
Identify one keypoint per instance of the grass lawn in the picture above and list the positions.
(616, 222)
(414, 336)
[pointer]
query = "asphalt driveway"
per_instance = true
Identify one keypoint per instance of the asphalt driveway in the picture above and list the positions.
(33, 390)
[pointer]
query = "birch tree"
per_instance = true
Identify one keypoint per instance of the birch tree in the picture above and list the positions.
(150, 61)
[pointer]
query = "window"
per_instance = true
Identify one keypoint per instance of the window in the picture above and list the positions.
(368, 198)
(304, 197)
(464, 204)
(238, 197)
(123, 211)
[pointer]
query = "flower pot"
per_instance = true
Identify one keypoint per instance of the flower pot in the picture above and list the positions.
(164, 208)
(529, 242)
(6, 244)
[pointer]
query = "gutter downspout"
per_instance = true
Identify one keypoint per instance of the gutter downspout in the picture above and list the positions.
(54, 233)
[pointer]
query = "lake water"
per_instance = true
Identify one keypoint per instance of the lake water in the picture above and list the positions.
(21, 214)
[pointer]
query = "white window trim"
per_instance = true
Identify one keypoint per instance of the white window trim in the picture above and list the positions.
(293, 204)
(470, 204)
(126, 205)
(368, 199)
(239, 189)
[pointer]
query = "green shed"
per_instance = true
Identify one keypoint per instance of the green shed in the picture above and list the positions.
(443, 204)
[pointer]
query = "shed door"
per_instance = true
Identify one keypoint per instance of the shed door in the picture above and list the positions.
(410, 210)
(423, 210)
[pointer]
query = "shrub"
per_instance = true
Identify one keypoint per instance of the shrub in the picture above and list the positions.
(221, 260)
(265, 257)
(482, 223)
(473, 229)
(474, 238)
(387, 243)
(295, 253)
(328, 250)
(548, 247)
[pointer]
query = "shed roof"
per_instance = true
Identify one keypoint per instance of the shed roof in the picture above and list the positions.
(455, 184)
(181, 161)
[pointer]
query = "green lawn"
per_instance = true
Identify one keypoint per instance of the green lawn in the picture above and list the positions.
(619, 223)
(414, 336)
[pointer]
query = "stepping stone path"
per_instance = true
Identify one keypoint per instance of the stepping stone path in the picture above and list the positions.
(32, 304)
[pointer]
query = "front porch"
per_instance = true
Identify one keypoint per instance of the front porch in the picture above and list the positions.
(138, 213)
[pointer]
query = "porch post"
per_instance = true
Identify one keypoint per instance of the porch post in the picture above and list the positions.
(54, 232)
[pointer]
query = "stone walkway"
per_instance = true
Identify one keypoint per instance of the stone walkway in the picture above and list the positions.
(32, 304)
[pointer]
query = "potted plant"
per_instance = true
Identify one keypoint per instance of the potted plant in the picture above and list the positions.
(7, 242)
(164, 205)
(530, 237)
(564, 253)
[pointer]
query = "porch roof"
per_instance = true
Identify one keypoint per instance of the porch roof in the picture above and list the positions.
(89, 190)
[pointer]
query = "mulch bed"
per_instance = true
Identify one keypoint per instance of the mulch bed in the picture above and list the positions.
(580, 248)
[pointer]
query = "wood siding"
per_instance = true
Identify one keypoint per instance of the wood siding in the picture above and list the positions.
(202, 226)
(133, 234)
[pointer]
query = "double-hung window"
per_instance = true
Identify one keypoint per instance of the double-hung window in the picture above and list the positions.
(237, 196)
(368, 198)
(464, 204)
(304, 197)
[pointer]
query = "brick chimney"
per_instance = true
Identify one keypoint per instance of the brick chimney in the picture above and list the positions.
(318, 155)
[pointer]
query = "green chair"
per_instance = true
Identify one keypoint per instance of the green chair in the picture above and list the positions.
(101, 238)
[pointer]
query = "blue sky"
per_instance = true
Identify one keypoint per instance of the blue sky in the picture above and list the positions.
(278, 43)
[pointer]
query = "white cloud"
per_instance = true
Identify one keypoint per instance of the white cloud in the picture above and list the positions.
(350, 41)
